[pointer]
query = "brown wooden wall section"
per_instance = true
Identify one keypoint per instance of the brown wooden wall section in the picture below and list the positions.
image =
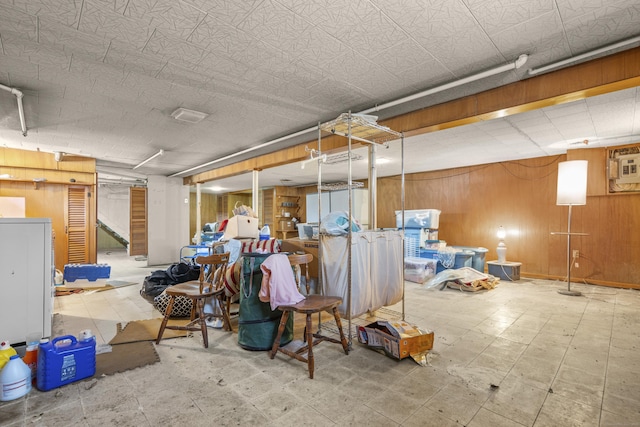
(521, 196)
(49, 199)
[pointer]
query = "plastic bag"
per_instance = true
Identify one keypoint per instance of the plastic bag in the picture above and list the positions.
(337, 224)
(243, 210)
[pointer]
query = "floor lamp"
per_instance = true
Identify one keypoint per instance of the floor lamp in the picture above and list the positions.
(572, 190)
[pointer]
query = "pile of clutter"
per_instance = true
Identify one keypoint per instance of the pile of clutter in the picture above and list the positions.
(46, 364)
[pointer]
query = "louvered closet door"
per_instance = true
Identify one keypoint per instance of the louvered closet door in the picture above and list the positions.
(77, 225)
(137, 221)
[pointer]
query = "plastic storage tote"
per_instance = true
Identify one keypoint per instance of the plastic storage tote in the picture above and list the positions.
(479, 256)
(461, 259)
(420, 218)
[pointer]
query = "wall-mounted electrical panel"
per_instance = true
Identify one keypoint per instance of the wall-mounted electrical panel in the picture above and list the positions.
(628, 169)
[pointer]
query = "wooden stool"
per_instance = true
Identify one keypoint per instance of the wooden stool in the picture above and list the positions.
(210, 284)
(310, 305)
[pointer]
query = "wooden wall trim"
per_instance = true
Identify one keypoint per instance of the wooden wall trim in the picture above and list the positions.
(603, 75)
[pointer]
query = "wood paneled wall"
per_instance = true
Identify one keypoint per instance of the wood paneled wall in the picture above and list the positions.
(208, 212)
(48, 199)
(521, 196)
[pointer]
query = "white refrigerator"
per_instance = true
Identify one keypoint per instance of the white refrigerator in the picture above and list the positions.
(26, 278)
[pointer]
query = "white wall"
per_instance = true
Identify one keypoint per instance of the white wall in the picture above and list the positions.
(168, 219)
(113, 208)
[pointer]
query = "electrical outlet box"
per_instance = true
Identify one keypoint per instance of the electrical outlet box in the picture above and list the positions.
(576, 253)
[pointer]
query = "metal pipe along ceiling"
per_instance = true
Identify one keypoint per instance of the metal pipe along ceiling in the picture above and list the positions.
(481, 75)
(19, 95)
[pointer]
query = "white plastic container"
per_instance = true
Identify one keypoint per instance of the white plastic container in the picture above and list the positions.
(15, 379)
(419, 270)
(420, 218)
(265, 232)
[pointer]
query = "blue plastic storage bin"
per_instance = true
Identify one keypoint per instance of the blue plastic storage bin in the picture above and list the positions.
(90, 272)
(462, 258)
(419, 218)
(479, 255)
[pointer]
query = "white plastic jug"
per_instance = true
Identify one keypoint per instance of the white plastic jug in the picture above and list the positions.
(15, 379)
(265, 233)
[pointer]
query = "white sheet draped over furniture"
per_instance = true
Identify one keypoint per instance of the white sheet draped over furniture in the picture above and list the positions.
(376, 270)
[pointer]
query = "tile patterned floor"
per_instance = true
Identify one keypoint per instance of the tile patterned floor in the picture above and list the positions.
(518, 355)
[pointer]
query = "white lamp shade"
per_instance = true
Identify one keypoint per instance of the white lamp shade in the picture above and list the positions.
(572, 183)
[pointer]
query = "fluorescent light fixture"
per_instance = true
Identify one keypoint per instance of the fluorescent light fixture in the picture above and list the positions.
(159, 153)
(522, 59)
(382, 161)
(585, 55)
(189, 116)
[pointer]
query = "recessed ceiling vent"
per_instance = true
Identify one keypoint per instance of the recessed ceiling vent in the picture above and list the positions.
(189, 116)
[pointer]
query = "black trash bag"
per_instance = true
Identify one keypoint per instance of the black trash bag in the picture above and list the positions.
(154, 284)
(159, 280)
(182, 272)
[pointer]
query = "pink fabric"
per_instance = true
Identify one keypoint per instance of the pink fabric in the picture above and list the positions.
(278, 284)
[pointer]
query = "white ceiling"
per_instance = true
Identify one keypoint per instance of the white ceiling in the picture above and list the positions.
(101, 77)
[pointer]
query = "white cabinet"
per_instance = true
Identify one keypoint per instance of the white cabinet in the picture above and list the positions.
(339, 201)
(26, 277)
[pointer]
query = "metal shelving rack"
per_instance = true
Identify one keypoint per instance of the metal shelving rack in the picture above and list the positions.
(361, 128)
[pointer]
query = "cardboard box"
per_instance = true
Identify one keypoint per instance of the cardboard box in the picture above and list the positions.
(398, 339)
(286, 225)
(241, 227)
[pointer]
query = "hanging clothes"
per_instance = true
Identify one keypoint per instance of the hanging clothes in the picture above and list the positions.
(278, 283)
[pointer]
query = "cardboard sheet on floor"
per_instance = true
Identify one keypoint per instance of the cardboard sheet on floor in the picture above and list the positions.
(124, 357)
(146, 330)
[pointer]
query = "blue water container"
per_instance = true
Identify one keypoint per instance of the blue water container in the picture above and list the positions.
(65, 360)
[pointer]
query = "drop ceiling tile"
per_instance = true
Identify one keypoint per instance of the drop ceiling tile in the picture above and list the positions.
(67, 39)
(17, 47)
(176, 17)
(571, 9)
(19, 22)
(606, 25)
(132, 61)
(105, 23)
(116, 6)
(63, 11)
(219, 37)
(19, 72)
(276, 25)
(233, 12)
(403, 56)
(172, 49)
(536, 36)
(567, 109)
(93, 71)
(496, 16)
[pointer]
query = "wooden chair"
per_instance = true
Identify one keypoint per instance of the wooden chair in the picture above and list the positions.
(210, 284)
(310, 305)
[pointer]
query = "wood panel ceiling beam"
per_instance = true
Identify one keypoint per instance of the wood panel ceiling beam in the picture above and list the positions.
(599, 76)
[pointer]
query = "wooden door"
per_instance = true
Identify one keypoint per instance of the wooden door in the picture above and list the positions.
(77, 225)
(137, 221)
